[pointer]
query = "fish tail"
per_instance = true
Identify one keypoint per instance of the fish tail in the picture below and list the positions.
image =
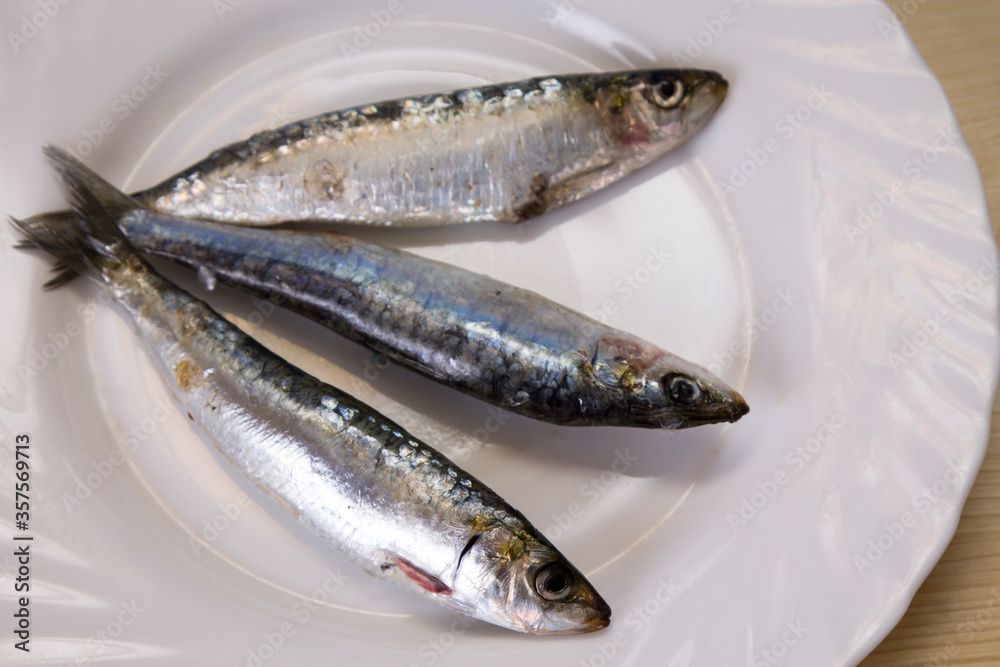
(42, 232)
(87, 240)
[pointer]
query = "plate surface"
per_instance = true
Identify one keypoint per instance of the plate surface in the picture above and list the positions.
(823, 245)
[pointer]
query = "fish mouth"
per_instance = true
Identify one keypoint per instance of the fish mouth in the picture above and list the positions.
(711, 85)
(597, 623)
(710, 90)
(734, 408)
(599, 618)
(738, 408)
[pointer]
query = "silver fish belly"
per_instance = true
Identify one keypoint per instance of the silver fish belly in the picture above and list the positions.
(505, 153)
(390, 503)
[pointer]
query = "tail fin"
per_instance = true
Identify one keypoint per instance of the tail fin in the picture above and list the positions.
(87, 239)
(42, 232)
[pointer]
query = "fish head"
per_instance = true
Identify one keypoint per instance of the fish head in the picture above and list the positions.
(650, 112)
(512, 577)
(660, 390)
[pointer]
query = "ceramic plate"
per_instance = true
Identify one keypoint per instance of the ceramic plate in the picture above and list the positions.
(823, 245)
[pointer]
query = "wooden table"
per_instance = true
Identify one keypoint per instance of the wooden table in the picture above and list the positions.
(955, 617)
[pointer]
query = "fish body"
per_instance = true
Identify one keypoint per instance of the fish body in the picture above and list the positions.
(502, 344)
(390, 503)
(502, 153)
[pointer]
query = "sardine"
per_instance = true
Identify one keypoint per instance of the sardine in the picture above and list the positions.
(505, 345)
(392, 504)
(502, 153)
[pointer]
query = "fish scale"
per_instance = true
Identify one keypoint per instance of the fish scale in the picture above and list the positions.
(500, 343)
(469, 331)
(355, 448)
(502, 153)
(392, 504)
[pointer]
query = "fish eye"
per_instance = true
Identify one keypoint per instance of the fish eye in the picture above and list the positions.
(681, 390)
(668, 93)
(555, 582)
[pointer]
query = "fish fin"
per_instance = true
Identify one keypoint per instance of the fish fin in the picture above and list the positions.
(91, 196)
(582, 184)
(95, 242)
(613, 360)
(41, 231)
(424, 579)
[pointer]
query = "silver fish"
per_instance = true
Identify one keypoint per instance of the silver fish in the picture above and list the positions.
(393, 505)
(502, 344)
(502, 153)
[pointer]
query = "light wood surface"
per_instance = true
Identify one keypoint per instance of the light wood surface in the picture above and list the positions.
(955, 617)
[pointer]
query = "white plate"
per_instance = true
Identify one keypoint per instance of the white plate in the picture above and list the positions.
(867, 350)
